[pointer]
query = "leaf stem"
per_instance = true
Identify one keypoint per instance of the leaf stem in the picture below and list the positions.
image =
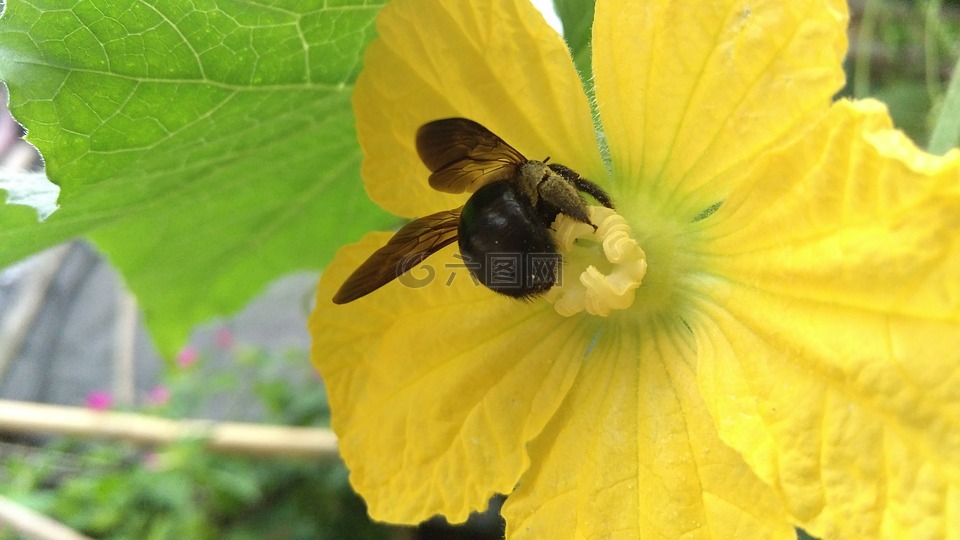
(931, 47)
(861, 66)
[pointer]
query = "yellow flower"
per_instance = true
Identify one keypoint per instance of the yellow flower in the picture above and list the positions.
(792, 356)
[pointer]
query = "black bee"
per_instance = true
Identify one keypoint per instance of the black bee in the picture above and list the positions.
(502, 230)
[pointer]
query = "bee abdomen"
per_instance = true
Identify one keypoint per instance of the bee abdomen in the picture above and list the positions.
(505, 243)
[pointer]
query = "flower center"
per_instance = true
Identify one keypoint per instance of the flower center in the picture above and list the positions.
(584, 286)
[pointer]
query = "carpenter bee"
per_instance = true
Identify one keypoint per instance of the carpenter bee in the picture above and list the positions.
(502, 230)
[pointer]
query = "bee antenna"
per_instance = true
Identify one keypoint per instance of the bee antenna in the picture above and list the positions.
(546, 159)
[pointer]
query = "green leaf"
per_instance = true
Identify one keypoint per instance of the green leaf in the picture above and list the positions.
(206, 147)
(577, 19)
(946, 132)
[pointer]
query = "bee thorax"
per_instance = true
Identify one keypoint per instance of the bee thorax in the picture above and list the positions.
(550, 192)
(529, 176)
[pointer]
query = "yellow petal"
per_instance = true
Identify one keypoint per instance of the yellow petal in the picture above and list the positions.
(436, 389)
(831, 349)
(496, 62)
(689, 91)
(633, 454)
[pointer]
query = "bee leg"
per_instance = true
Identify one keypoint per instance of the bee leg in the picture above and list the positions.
(560, 193)
(594, 191)
(582, 184)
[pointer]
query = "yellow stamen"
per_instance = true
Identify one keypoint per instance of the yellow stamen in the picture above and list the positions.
(595, 292)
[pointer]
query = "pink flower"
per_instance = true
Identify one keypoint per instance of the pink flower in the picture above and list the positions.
(159, 395)
(187, 356)
(99, 400)
(151, 461)
(224, 338)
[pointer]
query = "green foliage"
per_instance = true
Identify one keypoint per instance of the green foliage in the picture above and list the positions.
(577, 19)
(903, 53)
(205, 147)
(114, 490)
(946, 131)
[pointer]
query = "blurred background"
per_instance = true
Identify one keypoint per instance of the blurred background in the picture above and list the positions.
(71, 335)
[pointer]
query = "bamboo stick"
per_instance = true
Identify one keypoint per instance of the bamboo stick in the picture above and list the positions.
(227, 437)
(124, 345)
(33, 524)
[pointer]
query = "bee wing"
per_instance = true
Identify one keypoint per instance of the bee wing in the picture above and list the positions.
(463, 155)
(413, 243)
